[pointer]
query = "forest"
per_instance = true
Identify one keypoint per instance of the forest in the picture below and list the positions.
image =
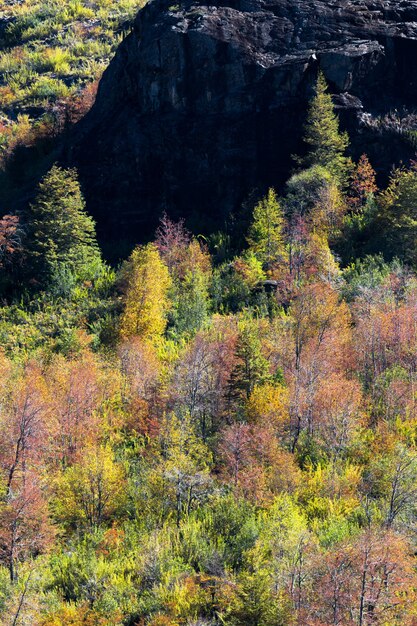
(222, 429)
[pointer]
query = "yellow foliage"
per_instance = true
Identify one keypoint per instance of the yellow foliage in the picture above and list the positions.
(268, 405)
(73, 615)
(92, 491)
(146, 296)
(186, 599)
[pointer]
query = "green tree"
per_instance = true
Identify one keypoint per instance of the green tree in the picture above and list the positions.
(190, 304)
(266, 238)
(252, 368)
(397, 217)
(62, 238)
(327, 145)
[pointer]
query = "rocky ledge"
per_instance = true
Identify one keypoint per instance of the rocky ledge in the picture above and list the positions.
(203, 104)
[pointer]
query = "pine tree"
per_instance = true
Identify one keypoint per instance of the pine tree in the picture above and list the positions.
(266, 239)
(252, 368)
(190, 304)
(396, 221)
(63, 234)
(327, 145)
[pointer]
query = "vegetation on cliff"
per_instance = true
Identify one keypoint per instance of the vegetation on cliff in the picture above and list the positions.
(207, 436)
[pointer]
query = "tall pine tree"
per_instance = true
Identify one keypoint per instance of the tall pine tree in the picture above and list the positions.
(62, 233)
(327, 145)
(266, 238)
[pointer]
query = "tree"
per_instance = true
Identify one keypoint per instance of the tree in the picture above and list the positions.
(327, 145)
(146, 303)
(202, 375)
(25, 530)
(182, 473)
(303, 190)
(268, 405)
(91, 492)
(327, 214)
(10, 238)
(396, 220)
(172, 241)
(190, 304)
(266, 239)
(367, 582)
(363, 184)
(24, 433)
(62, 234)
(181, 252)
(78, 388)
(283, 550)
(320, 334)
(251, 367)
(24, 427)
(391, 478)
(253, 462)
(140, 370)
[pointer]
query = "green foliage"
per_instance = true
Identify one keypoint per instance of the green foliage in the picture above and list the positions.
(365, 274)
(304, 188)
(190, 304)
(233, 528)
(327, 145)
(62, 243)
(266, 240)
(396, 221)
(205, 440)
(53, 51)
(252, 368)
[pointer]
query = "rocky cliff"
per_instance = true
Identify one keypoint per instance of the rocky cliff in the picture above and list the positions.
(203, 104)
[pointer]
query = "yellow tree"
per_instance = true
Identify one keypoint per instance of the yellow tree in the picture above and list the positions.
(146, 294)
(92, 491)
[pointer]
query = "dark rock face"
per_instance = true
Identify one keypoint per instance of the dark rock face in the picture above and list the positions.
(205, 103)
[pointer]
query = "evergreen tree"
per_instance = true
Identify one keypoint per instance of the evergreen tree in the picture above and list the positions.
(327, 145)
(252, 368)
(190, 303)
(396, 221)
(266, 239)
(63, 235)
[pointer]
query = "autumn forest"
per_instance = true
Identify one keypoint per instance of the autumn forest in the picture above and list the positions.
(219, 430)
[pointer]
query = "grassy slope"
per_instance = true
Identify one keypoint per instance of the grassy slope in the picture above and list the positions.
(51, 50)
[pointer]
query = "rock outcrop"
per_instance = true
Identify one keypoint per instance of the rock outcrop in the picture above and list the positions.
(203, 104)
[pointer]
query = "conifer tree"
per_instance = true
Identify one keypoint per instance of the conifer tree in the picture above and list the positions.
(252, 368)
(63, 234)
(396, 221)
(266, 239)
(327, 145)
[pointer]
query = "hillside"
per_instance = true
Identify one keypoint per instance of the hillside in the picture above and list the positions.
(219, 427)
(52, 52)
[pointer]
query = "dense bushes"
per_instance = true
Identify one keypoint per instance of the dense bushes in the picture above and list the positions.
(206, 439)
